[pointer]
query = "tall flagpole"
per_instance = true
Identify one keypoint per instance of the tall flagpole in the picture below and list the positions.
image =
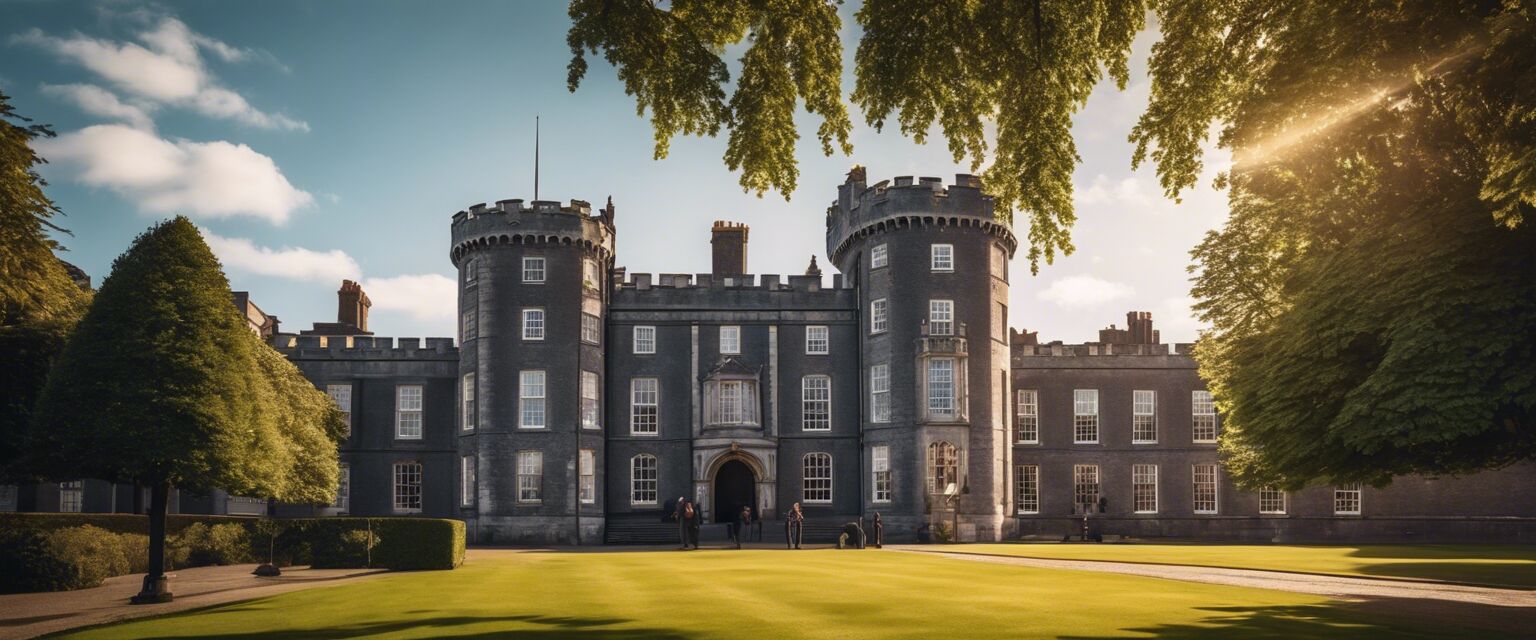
(535, 157)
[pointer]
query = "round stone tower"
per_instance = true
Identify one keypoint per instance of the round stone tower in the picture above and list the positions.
(533, 300)
(930, 263)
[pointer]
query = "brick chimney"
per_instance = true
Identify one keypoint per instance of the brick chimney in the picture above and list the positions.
(729, 241)
(352, 305)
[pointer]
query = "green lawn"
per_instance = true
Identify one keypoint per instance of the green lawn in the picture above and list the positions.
(1496, 565)
(767, 594)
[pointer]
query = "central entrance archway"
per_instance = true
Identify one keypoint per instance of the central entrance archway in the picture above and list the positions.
(735, 487)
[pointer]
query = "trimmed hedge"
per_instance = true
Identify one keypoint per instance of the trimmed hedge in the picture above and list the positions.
(61, 551)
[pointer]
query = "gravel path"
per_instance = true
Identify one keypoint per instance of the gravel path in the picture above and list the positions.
(1510, 611)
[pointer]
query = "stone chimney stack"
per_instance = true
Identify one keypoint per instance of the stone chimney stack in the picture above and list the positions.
(1139, 323)
(729, 241)
(352, 305)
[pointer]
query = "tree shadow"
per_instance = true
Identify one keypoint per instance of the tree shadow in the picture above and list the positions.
(1370, 618)
(544, 627)
(1516, 576)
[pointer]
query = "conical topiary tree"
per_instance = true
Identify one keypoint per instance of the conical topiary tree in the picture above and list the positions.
(161, 385)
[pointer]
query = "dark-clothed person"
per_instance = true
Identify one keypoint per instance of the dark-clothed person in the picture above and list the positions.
(794, 527)
(682, 524)
(743, 524)
(691, 518)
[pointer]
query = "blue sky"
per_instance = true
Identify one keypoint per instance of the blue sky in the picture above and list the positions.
(319, 140)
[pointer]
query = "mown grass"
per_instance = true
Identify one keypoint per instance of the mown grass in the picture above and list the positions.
(764, 594)
(1491, 565)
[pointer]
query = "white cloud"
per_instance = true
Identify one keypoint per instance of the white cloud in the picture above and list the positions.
(1176, 321)
(427, 297)
(1083, 291)
(167, 68)
(100, 102)
(1126, 191)
(205, 179)
(294, 263)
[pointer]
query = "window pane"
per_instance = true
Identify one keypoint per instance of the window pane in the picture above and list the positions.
(533, 269)
(1085, 417)
(1027, 423)
(816, 340)
(342, 394)
(407, 487)
(1346, 499)
(941, 317)
(943, 257)
(1144, 488)
(645, 339)
(531, 398)
(943, 467)
(533, 324)
(880, 468)
(530, 476)
(1272, 500)
(1085, 488)
(1144, 416)
(941, 387)
(587, 472)
(730, 339)
(643, 418)
(589, 402)
(816, 402)
(467, 484)
(591, 328)
(1027, 488)
(1205, 488)
(408, 412)
(642, 479)
(880, 393)
(817, 485)
(1204, 418)
(877, 320)
(467, 394)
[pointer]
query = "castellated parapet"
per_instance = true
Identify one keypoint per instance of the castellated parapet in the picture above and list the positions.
(861, 209)
(536, 222)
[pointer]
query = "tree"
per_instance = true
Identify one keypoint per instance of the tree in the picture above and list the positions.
(963, 64)
(39, 302)
(162, 385)
(1373, 295)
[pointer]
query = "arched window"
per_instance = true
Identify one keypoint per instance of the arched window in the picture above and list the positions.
(943, 467)
(817, 483)
(642, 479)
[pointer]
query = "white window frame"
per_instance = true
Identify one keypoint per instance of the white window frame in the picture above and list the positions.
(880, 474)
(1027, 418)
(589, 273)
(410, 400)
(467, 481)
(645, 339)
(730, 340)
(941, 257)
(817, 488)
(591, 329)
(941, 317)
(341, 394)
(467, 409)
(342, 503)
(534, 324)
(586, 472)
(1085, 477)
(879, 316)
(1143, 417)
(816, 403)
(944, 466)
(1206, 492)
(818, 340)
(530, 476)
(532, 406)
(644, 479)
(1346, 496)
(942, 397)
(1270, 498)
(1085, 416)
(71, 496)
(1026, 489)
(535, 269)
(408, 476)
(469, 327)
(1144, 488)
(591, 406)
(1203, 417)
(644, 406)
(471, 272)
(880, 393)
(879, 256)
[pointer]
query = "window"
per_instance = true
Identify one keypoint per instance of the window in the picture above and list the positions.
(533, 324)
(1144, 417)
(943, 257)
(731, 402)
(1085, 416)
(343, 501)
(71, 496)
(408, 487)
(817, 485)
(877, 321)
(589, 276)
(530, 476)
(471, 272)
(941, 387)
(642, 479)
(1204, 419)
(589, 400)
(1144, 488)
(1027, 424)
(943, 467)
(467, 392)
(533, 269)
(880, 393)
(408, 412)
(1205, 488)
(880, 472)
(645, 339)
(469, 326)
(1346, 499)
(817, 342)
(941, 317)
(999, 261)
(1272, 501)
(591, 329)
(1085, 487)
(816, 403)
(643, 419)
(1000, 322)
(531, 400)
(342, 394)
(1026, 489)
(730, 339)
(586, 463)
(467, 485)
(878, 257)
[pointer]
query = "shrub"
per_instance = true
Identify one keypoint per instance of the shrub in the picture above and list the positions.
(398, 543)
(61, 559)
(942, 532)
(221, 544)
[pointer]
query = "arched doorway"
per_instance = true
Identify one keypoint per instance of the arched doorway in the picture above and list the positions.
(735, 487)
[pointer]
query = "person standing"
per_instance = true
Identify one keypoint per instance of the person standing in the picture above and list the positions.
(743, 524)
(691, 517)
(682, 523)
(794, 527)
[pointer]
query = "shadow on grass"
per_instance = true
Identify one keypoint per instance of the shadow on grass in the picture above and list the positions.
(1371, 618)
(1518, 575)
(526, 626)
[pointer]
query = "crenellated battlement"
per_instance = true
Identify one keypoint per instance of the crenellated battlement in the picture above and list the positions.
(862, 209)
(765, 282)
(366, 347)
(537, 222)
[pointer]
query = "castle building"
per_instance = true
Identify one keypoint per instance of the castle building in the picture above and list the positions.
(583, 401)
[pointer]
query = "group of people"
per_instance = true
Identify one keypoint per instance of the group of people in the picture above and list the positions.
(689, 516)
